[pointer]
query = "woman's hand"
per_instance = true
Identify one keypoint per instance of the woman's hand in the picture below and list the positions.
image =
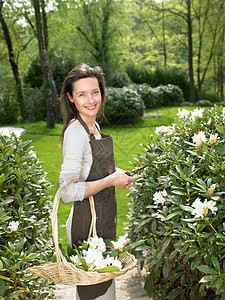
(121, 180)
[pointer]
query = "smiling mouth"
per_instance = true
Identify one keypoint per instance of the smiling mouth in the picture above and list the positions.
(91, 107)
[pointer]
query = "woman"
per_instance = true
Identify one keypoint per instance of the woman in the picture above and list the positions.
(88, 155)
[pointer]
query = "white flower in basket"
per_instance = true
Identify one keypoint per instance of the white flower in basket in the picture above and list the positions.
(71, 269)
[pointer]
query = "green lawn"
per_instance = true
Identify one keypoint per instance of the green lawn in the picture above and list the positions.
(127, 140)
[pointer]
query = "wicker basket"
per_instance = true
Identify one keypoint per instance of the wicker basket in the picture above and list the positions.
(64, 272)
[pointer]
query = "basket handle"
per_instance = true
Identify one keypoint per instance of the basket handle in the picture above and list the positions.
(54, 218)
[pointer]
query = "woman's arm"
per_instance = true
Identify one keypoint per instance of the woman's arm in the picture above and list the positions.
(117, 179)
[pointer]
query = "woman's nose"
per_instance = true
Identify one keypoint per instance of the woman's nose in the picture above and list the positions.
(90, 98)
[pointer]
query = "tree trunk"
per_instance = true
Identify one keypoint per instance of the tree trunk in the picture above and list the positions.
(190, 54)
(49, 85)
(164, 36)
(221, 68)
(14, 66)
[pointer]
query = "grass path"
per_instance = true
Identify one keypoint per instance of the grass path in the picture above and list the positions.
(127, 143)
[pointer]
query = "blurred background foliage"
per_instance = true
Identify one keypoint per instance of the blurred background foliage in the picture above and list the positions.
(153, 42)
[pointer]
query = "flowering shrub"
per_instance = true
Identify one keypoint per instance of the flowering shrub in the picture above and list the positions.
(100, 255)
(24, 219)
(123, 106)
(162, 95)
(179, 208)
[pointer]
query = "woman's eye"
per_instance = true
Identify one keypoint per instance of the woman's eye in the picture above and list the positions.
(82, 95)
(96, 92)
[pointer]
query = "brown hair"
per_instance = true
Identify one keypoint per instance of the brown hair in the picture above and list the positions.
(68, 108)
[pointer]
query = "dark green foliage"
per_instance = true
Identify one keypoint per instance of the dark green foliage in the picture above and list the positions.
(9, 109)
(210, 97)
(23, 198)
(204, 103)
(143, 74)
(123, 106)
(169, 95)
(34, 76)
(147, 93)
(35, 103)
(60, 69)
(119, 80)
(186, 249)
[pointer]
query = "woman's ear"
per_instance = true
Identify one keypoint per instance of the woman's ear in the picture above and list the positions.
(70, 98)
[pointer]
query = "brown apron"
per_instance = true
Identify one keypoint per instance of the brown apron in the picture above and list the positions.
(105, 205)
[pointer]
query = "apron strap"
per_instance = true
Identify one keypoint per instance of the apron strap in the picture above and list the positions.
(83, 124)
(92, 230)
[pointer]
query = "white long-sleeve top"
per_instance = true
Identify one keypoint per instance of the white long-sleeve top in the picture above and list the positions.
(77, 161)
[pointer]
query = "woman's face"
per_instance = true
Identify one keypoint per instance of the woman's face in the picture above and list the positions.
(86, 97)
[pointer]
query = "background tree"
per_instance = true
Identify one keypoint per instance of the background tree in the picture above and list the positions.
(49, 85)
(13, 62)
(208, 29)
(98, 29)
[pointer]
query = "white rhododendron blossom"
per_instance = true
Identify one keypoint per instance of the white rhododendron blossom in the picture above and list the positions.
(201, 208)
(5, 132)
(213, 138)
(158, 197)
(199, 138)
(197, 113)
(9, 132)
(183, 114)
(17, 133)
(32, 154)
(165, 129)
(97, 243)
(93, 254)
(122, 241)
(13, 226)
(75, 259)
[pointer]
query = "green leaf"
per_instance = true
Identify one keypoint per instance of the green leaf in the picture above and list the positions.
(15, 294)
(186, 208)
(2, 288)
(123, 255)
(42, 296)
(206, 269)
(208, 278)
(220, 129)
(114, 253)
(166, 269)
(201, 182)
(216, 263)
(166, 243)
(20, 244)
(149, 285)
(108, 242)
(196, 262)
(224, 267)
(2, 178)
(108, 269)
(133, 245)
(154, 226)
(83, 261)
(173, 254)
(220, 290)
(179, 169)
(174, 214)
(177, 192)
(70, 251)
(195, 292)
